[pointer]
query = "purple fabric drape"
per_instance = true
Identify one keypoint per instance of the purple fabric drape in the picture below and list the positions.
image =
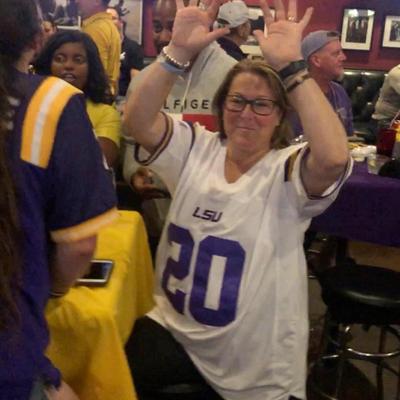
(367, 209)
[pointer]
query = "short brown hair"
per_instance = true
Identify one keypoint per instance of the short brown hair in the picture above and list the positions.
(283, 131)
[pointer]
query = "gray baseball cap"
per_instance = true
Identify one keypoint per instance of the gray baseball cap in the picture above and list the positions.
(234, 12)
(317, 40)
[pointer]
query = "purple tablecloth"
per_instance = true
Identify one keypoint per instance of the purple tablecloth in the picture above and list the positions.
(367, 209)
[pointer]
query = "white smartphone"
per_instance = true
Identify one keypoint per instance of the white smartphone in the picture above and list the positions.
(99, 274)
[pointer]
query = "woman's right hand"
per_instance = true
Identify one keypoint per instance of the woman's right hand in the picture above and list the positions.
(191, 31)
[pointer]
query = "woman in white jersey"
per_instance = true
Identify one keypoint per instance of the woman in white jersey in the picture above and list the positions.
(231, 287)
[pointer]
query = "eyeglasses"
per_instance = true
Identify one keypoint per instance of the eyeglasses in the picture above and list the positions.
(260, 106)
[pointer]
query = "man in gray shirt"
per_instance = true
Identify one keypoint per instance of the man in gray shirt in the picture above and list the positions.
(388, 104)
(190, 99)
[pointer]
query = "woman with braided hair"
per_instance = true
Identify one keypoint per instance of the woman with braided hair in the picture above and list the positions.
(43, 203)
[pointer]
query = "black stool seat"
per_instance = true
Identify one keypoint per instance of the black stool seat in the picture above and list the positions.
(184, 391)
(362, 294)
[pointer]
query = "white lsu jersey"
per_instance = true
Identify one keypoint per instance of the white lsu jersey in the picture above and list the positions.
(230, 272)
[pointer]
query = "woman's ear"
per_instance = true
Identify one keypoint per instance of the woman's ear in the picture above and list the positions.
(314, 60)
(37, 42)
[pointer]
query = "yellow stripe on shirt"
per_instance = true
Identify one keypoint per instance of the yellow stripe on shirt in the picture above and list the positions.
(85, 229)
(290, 165)
(41, 120)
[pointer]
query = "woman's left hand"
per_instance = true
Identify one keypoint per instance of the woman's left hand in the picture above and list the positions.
(191, 31)
(283, 42)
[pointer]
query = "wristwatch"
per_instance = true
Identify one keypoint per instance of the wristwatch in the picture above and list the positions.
(293, 68)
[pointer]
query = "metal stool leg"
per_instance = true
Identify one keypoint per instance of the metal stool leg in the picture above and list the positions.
(379, 365)
(323, 343)
(398, 384)
(342, 359)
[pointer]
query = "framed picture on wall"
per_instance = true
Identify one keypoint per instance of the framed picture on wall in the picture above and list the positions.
(257, 23)
(357, 27)
(64, 13)
(391, 31)
(132, 15)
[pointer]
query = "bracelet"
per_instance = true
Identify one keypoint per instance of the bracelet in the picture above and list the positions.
(172, 61)
(292, 68)
(299, 80)
(169, 67)
(292, 78)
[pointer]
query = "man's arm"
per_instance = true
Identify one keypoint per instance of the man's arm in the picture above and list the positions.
(327, 141)
(142, 118)
(325, 134)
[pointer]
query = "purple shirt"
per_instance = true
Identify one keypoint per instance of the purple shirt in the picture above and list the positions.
(340, 102)
(73, 188)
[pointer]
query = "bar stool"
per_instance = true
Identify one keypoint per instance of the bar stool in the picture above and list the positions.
(357, 295)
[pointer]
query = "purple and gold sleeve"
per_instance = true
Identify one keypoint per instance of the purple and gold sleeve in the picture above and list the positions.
(82, 197)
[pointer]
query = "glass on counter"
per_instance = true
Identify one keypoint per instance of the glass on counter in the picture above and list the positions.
(375, 162)
(385, 141)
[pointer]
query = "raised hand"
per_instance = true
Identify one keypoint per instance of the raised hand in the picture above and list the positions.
(283, 43)
(191, 31)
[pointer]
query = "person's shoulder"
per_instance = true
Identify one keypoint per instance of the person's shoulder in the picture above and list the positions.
(337, 86)
(99, 22)
(201, 129)
(58, 96)
(339, 89)
(285, 158)
(222, 54)
(213, 60)
(288, 151)
(231, 49)
(395, 70)
(132, 48)
(60, 90)
(205, 139)
(130, 42)
(31, 81)
(100, 110)
(197, 128)
(394, 74)
(91, 106)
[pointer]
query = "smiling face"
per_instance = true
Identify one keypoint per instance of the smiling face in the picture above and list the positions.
(164, 12)
(69, 62)
(247, 131)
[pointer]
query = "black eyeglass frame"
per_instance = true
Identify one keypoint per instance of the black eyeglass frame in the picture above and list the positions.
(251, 103)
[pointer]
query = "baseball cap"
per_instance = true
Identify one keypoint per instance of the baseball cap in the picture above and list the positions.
(234, 12)
(316, 40)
